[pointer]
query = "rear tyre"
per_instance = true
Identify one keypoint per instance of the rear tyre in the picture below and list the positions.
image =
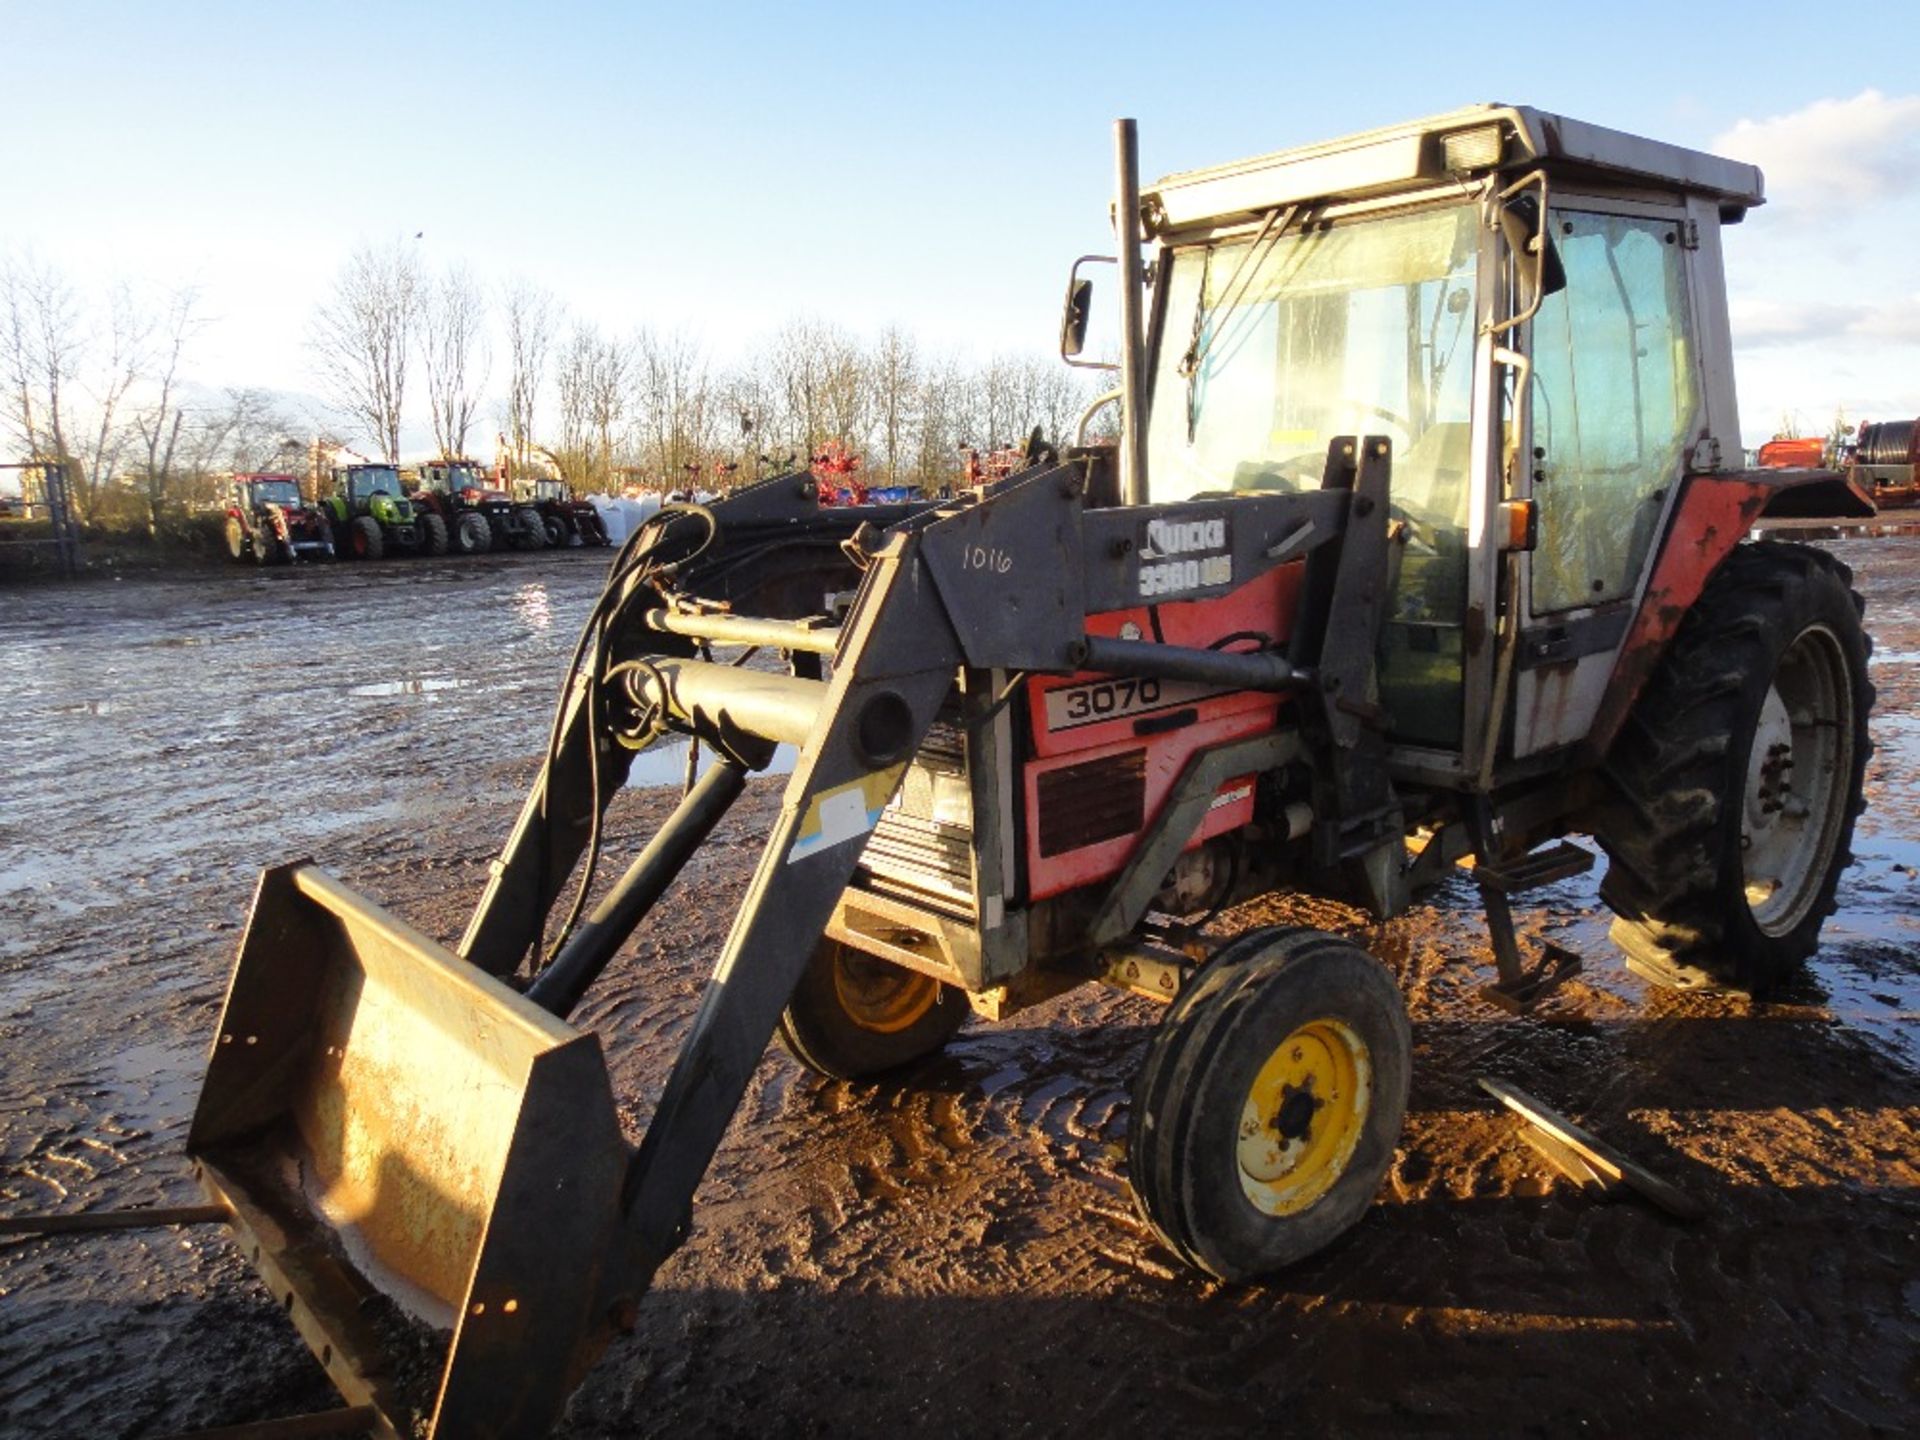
(236, 539)
(1268, 1110)
(1737, 777)
(853, 1016)
(433, 534)
(472, 535)
(365, 539)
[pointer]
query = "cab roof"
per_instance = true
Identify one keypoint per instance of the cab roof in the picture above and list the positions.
(1476, 141)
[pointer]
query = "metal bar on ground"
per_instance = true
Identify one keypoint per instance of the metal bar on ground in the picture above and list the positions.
(1603, 1158)
(94, 1221)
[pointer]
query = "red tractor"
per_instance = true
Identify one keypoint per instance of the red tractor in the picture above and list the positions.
(477, 513)
(267, 519)
(565, 519)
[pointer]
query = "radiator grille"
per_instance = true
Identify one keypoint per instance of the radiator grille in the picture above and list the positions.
(922, 849)
(1096, 800)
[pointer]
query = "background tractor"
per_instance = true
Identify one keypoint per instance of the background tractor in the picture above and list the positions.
(267, 519)
(371, 515)
(565, 520)
(459, 489)
(1422, 539)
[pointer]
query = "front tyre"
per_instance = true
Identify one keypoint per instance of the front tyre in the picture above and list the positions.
(236, 539)
(366, 539)
(472, 535)
(533, 530)
(1270, 1104)
(1738, 776)
(854, 1016)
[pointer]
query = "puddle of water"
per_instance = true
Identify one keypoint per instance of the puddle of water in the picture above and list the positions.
(406, 687)
(533, 606)
(666, 764)
(87, 707)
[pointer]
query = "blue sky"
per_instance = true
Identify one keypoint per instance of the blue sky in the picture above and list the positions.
(722, 168)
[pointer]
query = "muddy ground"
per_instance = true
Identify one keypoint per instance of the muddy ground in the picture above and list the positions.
(954, 1254)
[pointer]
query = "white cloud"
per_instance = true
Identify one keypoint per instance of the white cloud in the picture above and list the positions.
(1833, 152)
(1758, 324)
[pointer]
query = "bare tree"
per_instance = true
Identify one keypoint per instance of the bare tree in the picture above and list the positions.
(895, 372)
(159, 422)
(111, 368)
(245, 432)
(532, 317)
(40, 344)
(592, 375)
(361, 339)
(820, 375)
(676, 406)
(454, 318)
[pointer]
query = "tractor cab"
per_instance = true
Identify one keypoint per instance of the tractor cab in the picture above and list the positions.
(361, 483)
(260, 491)
(1532, 311)
(461, 478)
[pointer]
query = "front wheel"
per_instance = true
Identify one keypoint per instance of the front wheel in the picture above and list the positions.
(853, 1016)
(1268, 1110)
(556, 532)
(1738, 776)
(366, 539)
(236, 539)
(472, 535)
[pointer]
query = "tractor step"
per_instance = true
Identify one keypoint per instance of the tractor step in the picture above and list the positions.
(1529, 872)
(1519, 992)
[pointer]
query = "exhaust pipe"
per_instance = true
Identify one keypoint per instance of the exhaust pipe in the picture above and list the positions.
(1133, 350)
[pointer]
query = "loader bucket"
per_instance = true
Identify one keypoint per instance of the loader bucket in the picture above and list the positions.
(411, 1151)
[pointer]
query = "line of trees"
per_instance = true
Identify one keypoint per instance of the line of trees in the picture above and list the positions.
(103, 383)
(652, 406)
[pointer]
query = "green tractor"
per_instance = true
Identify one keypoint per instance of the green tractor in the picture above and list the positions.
(371, 515)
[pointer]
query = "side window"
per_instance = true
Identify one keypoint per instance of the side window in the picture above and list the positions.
(1614, 405)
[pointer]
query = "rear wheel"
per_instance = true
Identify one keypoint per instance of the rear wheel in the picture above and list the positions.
(365, 538)
(1268, 1110)
(472, 535)
(1737, 778)
(852, 1015)
(433, 535)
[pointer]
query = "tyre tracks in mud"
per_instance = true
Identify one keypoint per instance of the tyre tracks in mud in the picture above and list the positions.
(957, 1251)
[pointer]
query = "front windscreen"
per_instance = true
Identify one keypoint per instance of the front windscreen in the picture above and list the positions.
(276, 492)
(1273, 346)
(364, 483)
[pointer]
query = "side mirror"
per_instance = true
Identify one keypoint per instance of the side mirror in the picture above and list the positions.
(1073, 320)
(1527, 234)
(1078, 311)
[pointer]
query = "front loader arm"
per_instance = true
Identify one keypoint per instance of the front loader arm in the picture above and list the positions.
(895, 666)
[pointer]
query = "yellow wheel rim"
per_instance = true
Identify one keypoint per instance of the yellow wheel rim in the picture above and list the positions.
(879, 996)
(1304, 1116)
